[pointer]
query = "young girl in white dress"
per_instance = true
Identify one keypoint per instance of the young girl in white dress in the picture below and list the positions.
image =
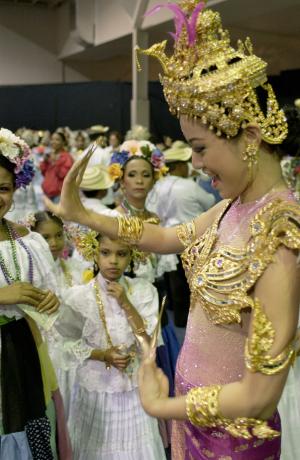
(69, 272)
(106, 315)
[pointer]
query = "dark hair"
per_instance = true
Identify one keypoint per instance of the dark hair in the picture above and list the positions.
(291, 145)
(173, 164)
(90, 193)
(62, 136)
(45, 216)
(137, 157)
(8, 165)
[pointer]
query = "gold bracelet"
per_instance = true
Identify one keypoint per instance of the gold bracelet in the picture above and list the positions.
(139, 331)
(130, 229)
(202, 408)
(107, 365)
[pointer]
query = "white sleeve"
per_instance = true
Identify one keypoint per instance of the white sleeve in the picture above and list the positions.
(72, 348)
(145, 299)
(44, 263)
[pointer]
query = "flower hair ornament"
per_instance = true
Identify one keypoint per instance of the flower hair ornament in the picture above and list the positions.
(85, 240)
(206, 78)
(134, 148)
(17, 152)
(28, 221)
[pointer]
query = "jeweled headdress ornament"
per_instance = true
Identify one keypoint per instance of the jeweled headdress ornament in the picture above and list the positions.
(208, 79)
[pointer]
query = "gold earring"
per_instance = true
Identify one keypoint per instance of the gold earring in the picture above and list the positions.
(251, 155)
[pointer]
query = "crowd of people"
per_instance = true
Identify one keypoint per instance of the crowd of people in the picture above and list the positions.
(91, 281)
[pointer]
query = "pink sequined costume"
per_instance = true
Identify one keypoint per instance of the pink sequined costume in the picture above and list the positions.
(214, 353)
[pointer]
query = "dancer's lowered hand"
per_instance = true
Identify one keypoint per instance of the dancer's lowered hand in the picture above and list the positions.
(153, 387)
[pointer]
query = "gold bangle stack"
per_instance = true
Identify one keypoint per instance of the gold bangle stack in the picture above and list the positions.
(130, 229)
(202, 408)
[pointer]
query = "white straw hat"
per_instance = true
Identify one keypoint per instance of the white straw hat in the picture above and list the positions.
(96, 178)
(180, 151)
(98, 129)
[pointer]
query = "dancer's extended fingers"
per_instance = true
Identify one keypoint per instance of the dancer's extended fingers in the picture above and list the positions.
(83, 164)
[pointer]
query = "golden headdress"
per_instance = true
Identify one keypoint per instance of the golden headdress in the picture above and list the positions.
(208, 79)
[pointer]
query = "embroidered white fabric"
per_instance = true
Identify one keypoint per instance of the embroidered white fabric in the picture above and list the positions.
(81, 326)
(44, 276)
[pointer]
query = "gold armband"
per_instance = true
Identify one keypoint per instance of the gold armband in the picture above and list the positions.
(186, 233)
(202, 408)
(259, 344)
(130, 229)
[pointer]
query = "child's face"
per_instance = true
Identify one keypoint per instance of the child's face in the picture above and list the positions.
(113, 258)
(54, 235)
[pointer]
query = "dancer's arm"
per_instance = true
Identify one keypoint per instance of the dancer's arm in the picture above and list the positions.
(154, 238)
(257, 394)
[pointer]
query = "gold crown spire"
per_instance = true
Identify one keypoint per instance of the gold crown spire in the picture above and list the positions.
(207, 78)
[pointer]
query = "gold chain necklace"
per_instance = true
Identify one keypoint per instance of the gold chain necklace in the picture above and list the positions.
(66, 272)
(132, 353)
(102, 314)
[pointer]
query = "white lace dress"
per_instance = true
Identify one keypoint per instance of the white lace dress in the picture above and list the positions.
(107, 420)
(71, 275)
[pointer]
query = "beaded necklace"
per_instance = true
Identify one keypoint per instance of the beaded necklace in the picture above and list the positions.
(13, 236)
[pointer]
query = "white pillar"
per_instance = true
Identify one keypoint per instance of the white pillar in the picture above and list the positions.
(140, 107)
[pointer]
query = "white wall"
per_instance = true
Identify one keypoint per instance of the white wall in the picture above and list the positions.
(24, 62)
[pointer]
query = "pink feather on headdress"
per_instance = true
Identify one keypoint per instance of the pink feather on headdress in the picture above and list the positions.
(192, 23)
(181, 20)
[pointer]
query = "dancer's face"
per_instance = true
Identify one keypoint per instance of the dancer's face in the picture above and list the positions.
(138, 179)
(113, 258)
(6, 191)
(220, 158)
(54, 235)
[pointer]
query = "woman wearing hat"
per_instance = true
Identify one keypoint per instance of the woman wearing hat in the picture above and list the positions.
(94, 185)
(240, 257)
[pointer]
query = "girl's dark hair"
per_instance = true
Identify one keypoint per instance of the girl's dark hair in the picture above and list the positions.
(137, 157)
(8, 165)
(45, 216)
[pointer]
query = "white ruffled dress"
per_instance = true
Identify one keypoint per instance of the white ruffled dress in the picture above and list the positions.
(66, 377)
(107, 421)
